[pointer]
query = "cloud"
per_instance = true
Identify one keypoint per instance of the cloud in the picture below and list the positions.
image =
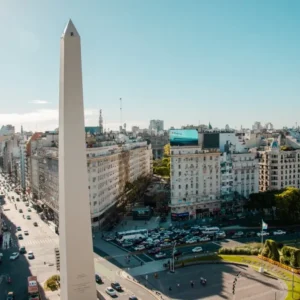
(47, 119)
(39, 102)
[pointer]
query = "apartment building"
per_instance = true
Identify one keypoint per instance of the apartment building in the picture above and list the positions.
(195, 181)
(245, 169)
(279, 167)
(110, 166)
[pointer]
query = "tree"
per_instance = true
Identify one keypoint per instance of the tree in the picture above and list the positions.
(167, 150)
(288, 205)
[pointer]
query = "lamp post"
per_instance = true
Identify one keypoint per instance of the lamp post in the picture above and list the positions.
(173, 258)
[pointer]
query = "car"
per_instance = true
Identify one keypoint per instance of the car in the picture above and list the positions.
(10, 296)
(191, 241)
(98, 278)
(154, 250)
(116, 286)
(27, 204)
(14, 256)
(204, 239)
(133, 298)
(30, 255)
(126, 245)
(26, 232)
(20, 210)
(160, 255)
(177, 253)
(28, 218)
(263, 233)
(197, 249)
(109, 238)
(35, 224)
(111, 292)
(139, 248)
(29, 210)
(20, 236)
(279, 232)
(22, 250)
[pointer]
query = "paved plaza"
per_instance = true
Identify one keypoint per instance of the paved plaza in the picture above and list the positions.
(250, 285)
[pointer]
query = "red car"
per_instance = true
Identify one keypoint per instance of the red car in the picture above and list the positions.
(154, 250)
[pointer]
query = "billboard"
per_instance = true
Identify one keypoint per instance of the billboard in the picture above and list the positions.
(211, 141)
(183, 137)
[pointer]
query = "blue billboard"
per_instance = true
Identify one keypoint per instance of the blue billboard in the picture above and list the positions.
(183, 137)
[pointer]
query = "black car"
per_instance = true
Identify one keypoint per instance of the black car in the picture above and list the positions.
(22, 250)
(116, 286)
(35, 224)
(133, 298)
(98, 279)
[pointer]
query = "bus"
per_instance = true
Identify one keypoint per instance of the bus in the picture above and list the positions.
(33, 288)
(144, 232)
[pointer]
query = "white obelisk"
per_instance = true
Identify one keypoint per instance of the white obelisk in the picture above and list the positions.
(75, 237)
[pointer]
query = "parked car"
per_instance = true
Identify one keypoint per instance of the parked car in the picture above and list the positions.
(116, 286)
(191, 241)
(20, 236)
(35, 224)
(154, 250)
(127, 244)
(109, 238)
(160, 255)
(28, 217)
(18, 228)
(263, 233)
(197, 249)
(279, 232)
(20, 210)
(133, 298)
(111, 292)
(26, 232)
(139, 248)
(14, 256)
(204, 239)
(98, 279)
(30, 255)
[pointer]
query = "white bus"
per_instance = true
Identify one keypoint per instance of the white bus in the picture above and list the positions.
(144, 232)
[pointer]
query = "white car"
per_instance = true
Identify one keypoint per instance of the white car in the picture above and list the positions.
(262, 233)
(14, 256)
(30, 255)
(204, 239)
(197, 249)
(279, 232)
(191, 241)
(139, 248)
(111, 292)
(160, 255)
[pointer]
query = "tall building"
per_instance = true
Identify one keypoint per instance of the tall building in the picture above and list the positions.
(279, 167)
(209, 169)
(110, 164)
(195, 181)
(156, 125)
(77, 272)
(7, 130)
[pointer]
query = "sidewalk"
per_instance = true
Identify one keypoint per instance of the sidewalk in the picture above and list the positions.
(113, 253)
(150, 267)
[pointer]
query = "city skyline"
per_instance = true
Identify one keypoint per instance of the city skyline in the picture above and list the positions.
(206, 62)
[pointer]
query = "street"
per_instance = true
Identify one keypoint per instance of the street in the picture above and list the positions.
(41, 240)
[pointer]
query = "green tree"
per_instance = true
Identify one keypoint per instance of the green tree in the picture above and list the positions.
(288, 205)
(167, 150)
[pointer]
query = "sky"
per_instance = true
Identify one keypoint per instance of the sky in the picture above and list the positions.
(185, 62)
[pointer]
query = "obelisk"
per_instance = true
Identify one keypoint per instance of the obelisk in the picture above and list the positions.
(75, 237)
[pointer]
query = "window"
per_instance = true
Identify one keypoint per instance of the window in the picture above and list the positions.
(179, 166)
(179, 173)
(179, 186)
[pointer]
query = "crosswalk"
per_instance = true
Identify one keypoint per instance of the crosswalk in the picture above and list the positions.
(44, 241)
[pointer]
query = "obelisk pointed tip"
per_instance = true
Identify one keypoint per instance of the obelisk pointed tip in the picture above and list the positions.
(70, 30)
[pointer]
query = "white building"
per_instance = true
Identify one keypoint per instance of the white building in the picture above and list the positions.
(195, 181)
(110, 167)
(245, 169)
(279, 168)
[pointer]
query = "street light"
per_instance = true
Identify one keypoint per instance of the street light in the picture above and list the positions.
(173, 258)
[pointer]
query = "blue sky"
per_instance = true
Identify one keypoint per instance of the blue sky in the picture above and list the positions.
(227, 62)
